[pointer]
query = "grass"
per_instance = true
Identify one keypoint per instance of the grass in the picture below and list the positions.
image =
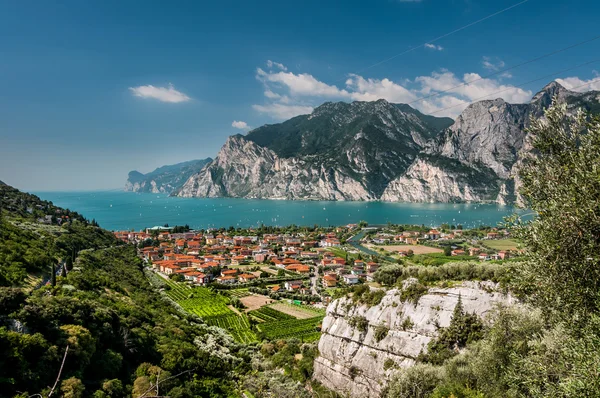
(268, 314)
(501, 244)
(298, 328)
(239, 293)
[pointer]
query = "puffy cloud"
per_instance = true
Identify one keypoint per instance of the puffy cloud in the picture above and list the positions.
(238, 124)
(494, 64)
(272, 64)
(472, 86)
(288, 94)
(300, 84)
(580, 85)
(163, 94)
(373, 89)
(433, 47)
(283, 111)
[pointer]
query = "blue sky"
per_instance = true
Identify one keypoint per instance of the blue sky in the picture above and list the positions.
(90, 90)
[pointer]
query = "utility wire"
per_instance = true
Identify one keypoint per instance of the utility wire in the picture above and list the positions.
(440, 37)
(507, 69)
(523, 84)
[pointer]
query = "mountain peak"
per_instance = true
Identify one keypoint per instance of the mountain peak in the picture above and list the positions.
(549, 91)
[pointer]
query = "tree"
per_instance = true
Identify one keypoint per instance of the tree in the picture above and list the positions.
(447, 251)
(561, 183)
(72, 388)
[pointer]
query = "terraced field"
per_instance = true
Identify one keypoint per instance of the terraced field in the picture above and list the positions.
(304, 329)
(212, 308)
(268, 314)
(277, 321)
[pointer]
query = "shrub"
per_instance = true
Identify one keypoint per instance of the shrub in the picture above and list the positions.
(380, 333)
(407, 323)
(388, 364)
(413, 292)
(359, 322)
(416, 382)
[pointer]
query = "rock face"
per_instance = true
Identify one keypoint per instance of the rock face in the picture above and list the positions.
(165, 179)
(382, 151)
(354, 363)
(340, 152)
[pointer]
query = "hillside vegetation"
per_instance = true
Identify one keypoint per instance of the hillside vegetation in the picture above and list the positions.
(550, 347)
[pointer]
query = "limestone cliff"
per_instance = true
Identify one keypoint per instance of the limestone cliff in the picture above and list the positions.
(165, 179)
(355, 363)
(382, 151)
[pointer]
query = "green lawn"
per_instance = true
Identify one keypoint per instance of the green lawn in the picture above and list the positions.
(501, 244)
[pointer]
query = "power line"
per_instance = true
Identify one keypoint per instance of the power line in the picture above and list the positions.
(507, 69)
(440, 37)
(524, 84)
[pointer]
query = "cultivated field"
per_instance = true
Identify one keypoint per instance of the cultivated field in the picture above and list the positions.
(255, 301)
(417, 249)
(299, 312)
(212, 308)
(501, 244)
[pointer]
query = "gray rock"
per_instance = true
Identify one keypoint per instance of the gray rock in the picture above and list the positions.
(352, 362)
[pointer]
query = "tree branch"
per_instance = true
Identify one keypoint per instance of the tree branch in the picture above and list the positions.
(59, 372)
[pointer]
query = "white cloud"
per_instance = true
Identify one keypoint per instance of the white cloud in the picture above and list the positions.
(271, 94)
(288, 94)
(300, 84)
(374, 89)
(283, 111)
(272, 64)
(494, 64)
(472, 86)
(580, 85)
(238, 124)
(163, 94)
(434, 47)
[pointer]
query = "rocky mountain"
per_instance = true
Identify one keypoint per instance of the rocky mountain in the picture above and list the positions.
(477, 158)
(165, 179)
(355, 363)
(383, 151)
(339, 152)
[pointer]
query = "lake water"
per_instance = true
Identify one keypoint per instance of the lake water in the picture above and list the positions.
(117, 210)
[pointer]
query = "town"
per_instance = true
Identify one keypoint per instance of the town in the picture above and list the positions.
(307, 262)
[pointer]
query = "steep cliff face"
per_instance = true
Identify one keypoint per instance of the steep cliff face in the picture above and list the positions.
(165, 179)
(434, 178)
(244, 169)
(339, 152)
(382, 151)
(355, 363)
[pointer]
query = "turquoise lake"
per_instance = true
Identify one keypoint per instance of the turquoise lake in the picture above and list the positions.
(117, 210)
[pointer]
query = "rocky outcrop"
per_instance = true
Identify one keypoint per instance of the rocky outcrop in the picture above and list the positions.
(434, 179)
(244, 169)
(165, 179)
(356, 364)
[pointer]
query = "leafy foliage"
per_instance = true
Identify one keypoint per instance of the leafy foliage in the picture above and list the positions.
(464, 329)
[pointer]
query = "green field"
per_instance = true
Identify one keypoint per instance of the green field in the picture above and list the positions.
(239, 293)
(273, 324)
(501, 244)
(268, 314)
(304, 329)
(212, 308)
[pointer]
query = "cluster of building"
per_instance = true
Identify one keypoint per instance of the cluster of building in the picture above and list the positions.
(206, 257)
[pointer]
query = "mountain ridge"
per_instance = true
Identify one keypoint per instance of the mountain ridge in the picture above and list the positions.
(383, 151)
(164, 179)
